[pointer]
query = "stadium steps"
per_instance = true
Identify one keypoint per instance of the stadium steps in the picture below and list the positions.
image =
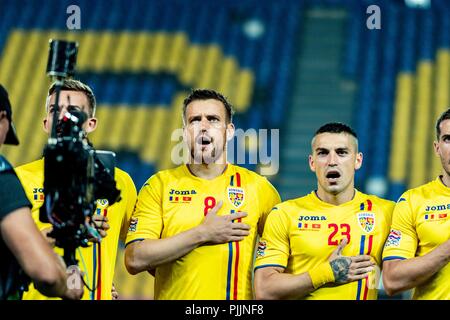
(319, 97)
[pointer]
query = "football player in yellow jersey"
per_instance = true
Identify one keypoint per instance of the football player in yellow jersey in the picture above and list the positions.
(97, 261)
(196, 226)
(417, 251)
(328, 244)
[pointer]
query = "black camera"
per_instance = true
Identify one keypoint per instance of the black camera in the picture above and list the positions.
(75, 174)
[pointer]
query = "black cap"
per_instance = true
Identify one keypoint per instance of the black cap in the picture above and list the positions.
(11, 136)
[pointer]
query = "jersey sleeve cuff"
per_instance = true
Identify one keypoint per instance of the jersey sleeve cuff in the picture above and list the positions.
(269, 265)
(393, 258)
(131, 241)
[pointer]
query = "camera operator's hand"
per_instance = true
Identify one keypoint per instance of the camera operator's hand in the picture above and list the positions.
(101, 224)
(51, 241)
(74, 284)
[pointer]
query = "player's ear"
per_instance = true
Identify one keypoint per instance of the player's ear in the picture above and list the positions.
(358, 160)
(312, 165)
(230, 131)
(436, 147)
(45, 125)
(91, 125)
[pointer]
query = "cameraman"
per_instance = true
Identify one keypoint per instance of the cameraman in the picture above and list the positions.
(97, 261)
(22, 247)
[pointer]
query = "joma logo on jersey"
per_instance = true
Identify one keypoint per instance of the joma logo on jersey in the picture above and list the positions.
(181, 192)
(312, 218)
(38, 194)
(438, 207)
(181, 196)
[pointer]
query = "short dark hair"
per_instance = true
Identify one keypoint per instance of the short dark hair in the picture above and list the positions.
(444, 116)
(78, 86)
(336, 127)
(205, 94)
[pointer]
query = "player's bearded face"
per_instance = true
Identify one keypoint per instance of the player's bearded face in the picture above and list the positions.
(68, 101)
(206, 131)
(442, 147)
(334, 159)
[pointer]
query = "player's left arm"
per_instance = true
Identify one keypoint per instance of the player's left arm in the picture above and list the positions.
(401, 269)
(401, 275)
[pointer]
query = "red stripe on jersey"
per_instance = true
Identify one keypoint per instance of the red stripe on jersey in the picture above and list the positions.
(236, 270)
(238, 180)
(369, 205)
(369, 249)
(366, 287)
(99, 281)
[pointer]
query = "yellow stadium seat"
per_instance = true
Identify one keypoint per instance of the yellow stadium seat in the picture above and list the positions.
(177, 52)
(207, 76)
(243, 91)
(156, 138)
(441, 102)
(191, 62)
(227, 76)
(420, 148)
(157, 58)
(140, 129)
(401, 128)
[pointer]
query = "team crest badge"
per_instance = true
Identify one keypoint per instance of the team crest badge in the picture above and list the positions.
(236, 196)
(366, 221)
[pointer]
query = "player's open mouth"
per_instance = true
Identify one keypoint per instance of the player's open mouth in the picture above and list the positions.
(204, 140)
(333, 175)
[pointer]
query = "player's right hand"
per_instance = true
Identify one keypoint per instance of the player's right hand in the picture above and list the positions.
(221, 229)
(349, 268)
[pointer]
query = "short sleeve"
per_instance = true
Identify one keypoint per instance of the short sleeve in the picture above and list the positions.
(401, 242)
(146, 221)
(268, 198)
(12, 195)
(273, 247)
(130, 195)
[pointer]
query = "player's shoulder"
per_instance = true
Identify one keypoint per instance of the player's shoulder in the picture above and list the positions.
(31, 167)
(168, 174)
(251, 176)
(422, 190)
(31, 174)
(378, 201)
(122, 175)
(163, 177)
(293, 205)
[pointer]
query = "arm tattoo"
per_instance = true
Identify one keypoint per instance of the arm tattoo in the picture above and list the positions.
(340, 268)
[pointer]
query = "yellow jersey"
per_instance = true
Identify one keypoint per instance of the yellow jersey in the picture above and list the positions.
(420, 223)
(302, 233)
(173, 201)
(98, 260)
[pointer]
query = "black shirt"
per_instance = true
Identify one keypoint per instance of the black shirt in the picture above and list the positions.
(12, 197)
